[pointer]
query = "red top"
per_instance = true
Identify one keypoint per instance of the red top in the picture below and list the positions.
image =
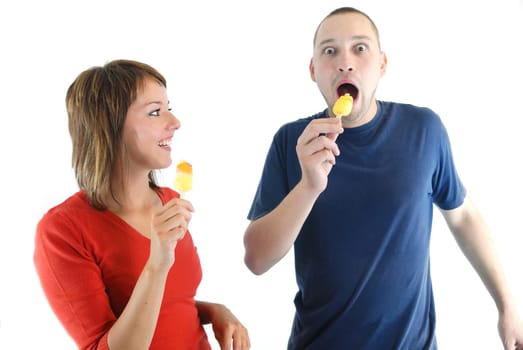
(89, 261)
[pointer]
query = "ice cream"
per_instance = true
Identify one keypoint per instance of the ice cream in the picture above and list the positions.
(343, 106)
(183, 180)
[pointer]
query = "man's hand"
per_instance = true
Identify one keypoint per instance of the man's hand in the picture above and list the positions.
(510, 330)
(317, 149)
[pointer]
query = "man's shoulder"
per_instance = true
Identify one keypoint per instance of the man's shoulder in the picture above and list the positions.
(401, 112)
(404, 107)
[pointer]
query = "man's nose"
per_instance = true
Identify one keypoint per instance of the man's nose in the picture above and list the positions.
(346, 68)
(346, 63)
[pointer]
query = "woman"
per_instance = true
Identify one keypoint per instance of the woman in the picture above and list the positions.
(115, 259)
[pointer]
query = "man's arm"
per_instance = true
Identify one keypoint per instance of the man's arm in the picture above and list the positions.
(473, 237)
(268, 238)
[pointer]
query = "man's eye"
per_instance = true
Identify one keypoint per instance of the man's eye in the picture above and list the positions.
(328, 51)
(361, 47)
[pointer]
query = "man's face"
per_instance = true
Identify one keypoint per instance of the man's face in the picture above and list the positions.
(347, 58)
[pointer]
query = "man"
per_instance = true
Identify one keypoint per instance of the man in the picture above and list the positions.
(354, 196)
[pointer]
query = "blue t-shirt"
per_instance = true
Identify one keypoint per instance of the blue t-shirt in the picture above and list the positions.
(362, 255)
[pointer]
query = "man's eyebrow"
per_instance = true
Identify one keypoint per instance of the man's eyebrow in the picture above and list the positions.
(361, 37)
(353, 38)
(326, 41)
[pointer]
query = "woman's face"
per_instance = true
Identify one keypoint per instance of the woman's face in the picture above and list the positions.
(149, 128)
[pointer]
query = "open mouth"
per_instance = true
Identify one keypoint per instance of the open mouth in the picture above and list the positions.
(164, 143)
(347, 89)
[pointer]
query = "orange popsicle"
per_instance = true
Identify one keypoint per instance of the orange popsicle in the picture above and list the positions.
(343, 106)
(183, 180)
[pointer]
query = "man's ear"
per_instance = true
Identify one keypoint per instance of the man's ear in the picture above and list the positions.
(383, 65)
(311, 70)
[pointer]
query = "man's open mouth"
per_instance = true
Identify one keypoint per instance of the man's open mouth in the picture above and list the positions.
(347, 89)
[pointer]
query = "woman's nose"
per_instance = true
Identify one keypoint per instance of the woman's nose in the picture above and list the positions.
(174, 123)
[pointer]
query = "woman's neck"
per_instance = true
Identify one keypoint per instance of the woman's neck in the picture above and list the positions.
(132, 194)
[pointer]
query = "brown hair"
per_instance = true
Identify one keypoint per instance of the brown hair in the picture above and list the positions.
(348, 10)
(97, 103)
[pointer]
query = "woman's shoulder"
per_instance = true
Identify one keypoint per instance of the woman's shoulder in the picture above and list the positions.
(76, 202)
(67, 216)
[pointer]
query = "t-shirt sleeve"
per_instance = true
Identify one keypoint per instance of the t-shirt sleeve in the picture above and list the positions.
(72, 282)
(448, 190)
(274, 182)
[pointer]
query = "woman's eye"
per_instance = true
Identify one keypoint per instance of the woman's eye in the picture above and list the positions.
(328, 51)
(155, 113)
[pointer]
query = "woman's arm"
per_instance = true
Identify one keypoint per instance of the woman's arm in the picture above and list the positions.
(135, 327)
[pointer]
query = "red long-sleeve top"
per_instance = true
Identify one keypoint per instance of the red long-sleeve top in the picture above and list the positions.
(88, 262)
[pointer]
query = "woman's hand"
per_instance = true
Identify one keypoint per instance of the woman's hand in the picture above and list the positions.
(228, 331)
(168, 226)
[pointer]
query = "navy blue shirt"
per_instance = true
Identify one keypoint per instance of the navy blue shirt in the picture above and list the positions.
(362, 255)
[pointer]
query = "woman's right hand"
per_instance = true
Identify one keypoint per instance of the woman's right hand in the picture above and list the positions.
(168, 225)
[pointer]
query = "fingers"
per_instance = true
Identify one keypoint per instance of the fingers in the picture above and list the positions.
(328, 127)
(229, 332)
(176, 205)
(235, 337)
(241, 340)
(168, 225)
(173, 217)
(318, 139)
(316, 149)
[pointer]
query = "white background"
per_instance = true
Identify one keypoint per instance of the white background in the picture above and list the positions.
(236, 71)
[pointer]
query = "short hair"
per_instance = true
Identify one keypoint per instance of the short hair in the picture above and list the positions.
(348, 10)
(97, 103)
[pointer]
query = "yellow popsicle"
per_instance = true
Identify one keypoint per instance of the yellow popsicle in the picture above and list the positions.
(183, 180)
(343, 106)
